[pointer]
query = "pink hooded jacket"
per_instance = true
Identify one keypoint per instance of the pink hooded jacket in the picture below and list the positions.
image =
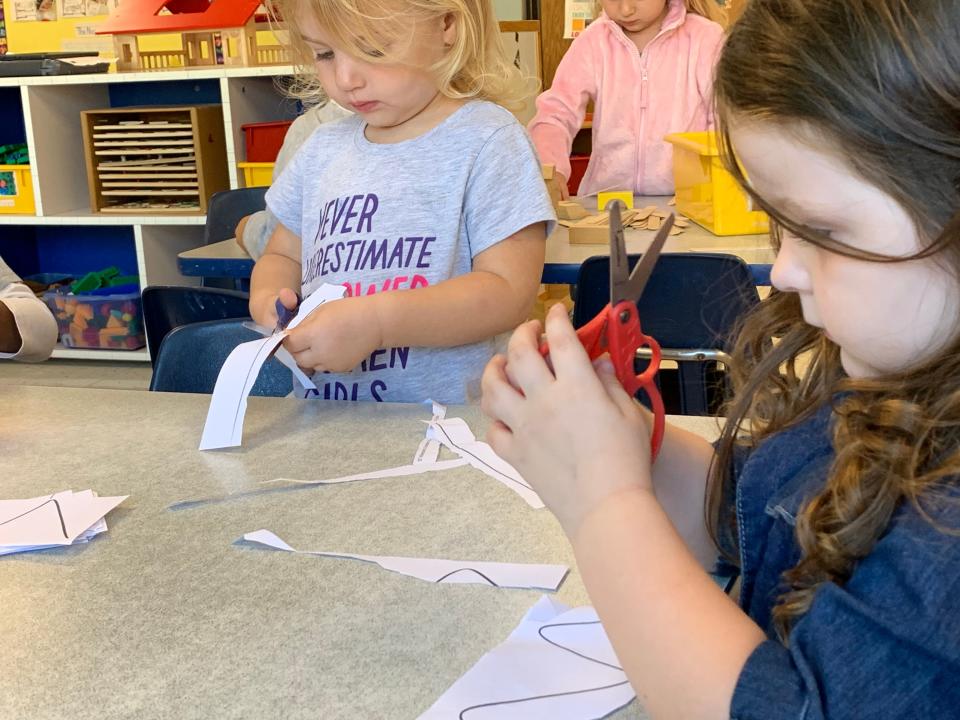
(638, 99)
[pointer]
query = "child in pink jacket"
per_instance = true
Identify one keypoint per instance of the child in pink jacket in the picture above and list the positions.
(648, 66)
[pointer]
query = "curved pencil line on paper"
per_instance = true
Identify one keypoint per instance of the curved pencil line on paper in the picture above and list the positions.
(63, 524)
(570, 650)
(466, 569)
(480, 460)
(256, 362)
(566, 693)
(584, 691)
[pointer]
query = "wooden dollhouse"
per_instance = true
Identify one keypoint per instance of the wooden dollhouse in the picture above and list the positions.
(214, 32)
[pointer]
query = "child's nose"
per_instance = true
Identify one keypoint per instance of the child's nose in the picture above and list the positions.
(789, 273)
(348, 75)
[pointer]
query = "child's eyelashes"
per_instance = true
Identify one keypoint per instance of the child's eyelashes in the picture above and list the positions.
(323, 55)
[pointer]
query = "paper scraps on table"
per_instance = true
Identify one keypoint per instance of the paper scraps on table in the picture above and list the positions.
(455, 435)
(558, 664)
(64, 518)
(228, 405)
(494, 574)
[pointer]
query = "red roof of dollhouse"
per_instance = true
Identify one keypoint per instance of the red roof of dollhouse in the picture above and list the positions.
(133, 17)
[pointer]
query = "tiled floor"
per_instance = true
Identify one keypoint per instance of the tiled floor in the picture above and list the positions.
(78, 373)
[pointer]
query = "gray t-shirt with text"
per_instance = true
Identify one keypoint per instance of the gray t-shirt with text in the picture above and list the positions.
(393, 217)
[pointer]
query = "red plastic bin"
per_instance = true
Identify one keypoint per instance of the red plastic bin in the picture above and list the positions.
(265, 139)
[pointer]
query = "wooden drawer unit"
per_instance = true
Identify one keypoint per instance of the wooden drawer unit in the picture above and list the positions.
(155, 160)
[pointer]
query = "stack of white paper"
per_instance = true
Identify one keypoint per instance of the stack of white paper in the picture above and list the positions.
(65, 518)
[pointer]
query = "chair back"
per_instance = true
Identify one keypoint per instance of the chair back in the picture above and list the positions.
(191, 356)
(693, 301)
(166, 307)
(227, 208)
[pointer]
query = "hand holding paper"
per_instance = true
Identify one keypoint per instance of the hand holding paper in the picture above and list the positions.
(337, 337)
(228, 406)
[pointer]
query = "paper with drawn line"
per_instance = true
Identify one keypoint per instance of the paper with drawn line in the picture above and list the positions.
(454, 434)
(556, 665)
(495, 574)
(228, 405)
(62, 518)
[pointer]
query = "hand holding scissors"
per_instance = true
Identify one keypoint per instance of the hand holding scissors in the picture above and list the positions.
(616, 328)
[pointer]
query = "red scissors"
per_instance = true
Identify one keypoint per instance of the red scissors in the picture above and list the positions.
(616, 329)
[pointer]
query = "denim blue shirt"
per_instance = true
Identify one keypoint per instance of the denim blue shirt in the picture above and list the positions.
(884, 645)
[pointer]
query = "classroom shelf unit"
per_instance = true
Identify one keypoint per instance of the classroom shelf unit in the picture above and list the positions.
(68, 234)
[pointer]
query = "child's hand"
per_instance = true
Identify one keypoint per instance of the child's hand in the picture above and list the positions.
(336, 336)
(263, 307)
(573, 433)
(562, 184)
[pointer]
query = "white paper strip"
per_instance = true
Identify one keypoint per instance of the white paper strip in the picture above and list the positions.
(495, 574)
(401, 471)
(228, 405)
(557, 665)
(454, 434)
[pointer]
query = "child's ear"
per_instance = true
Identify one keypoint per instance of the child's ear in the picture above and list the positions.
(449, 30)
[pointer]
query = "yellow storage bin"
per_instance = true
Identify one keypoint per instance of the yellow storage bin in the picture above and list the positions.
(16, 190)
(706, 192)
(256, 174)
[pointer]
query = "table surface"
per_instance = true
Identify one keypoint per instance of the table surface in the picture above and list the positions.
(754, 249)
(165, 616)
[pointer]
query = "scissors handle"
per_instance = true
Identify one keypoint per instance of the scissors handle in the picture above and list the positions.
(284, 315)
(617, 331)
(625, 337)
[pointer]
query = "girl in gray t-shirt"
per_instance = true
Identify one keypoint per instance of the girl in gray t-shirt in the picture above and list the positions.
(427, 205)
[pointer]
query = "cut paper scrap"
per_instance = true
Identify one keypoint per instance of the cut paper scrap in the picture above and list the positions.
(455, 435)
(557, 665)
(401, 471)
(495, 574)
(228, 405)
(429, 449)
(63, 518)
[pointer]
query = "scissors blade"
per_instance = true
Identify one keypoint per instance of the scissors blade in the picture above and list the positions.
(619, 266)
(632, 288)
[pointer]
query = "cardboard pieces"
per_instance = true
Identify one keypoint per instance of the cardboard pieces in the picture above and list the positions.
(552, 181)
(571, 210)
(595, 229)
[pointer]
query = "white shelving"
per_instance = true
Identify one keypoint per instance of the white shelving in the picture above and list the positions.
(65, 353)
(51, 111)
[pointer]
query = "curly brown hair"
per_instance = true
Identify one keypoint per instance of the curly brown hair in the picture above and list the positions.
(878, 83)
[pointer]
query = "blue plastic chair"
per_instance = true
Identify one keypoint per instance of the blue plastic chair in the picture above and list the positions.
(224, 211)
(166, 307)
(227, 208)
(691, 306)
(191, 356)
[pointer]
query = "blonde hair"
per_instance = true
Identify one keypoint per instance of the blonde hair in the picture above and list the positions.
(475, 66)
